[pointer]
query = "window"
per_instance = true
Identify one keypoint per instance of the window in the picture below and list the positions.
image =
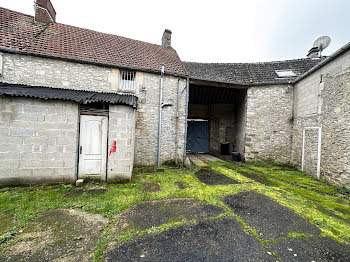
(127, 80)
(285, 73)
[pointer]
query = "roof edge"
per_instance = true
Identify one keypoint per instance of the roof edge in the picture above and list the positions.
(324, 62)
(20, 52)
(253, 63)
(245, 84)
(87, 96)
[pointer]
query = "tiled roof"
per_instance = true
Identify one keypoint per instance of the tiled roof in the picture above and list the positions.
(249, 73)
(79, 96)
(19, 33)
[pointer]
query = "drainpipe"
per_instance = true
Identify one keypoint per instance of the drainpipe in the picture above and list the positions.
(186, 116)
(160, 112)
(177, 119)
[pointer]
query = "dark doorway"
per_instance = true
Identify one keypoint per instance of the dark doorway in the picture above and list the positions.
(197, 136)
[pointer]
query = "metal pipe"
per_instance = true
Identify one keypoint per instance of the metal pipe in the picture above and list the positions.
(160, 113)
(177, 119)
(186, 116)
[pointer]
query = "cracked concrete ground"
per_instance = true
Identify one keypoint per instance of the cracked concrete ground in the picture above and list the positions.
(215, 214)
(57, 235)
(226, 239)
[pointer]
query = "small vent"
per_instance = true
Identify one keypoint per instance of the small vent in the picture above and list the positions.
(98, 109)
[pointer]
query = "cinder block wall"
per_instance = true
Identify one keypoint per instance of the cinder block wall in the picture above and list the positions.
(269, 123)
(322, 100)
(30, 70)
(121, 137)
(38, 141)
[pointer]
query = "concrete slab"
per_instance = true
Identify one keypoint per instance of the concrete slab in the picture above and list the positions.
(201, 159)
(197, 161)
(270, 219)
(57, 235)
(210, 177)
(155, 213)
(310, 249)
(214, 240)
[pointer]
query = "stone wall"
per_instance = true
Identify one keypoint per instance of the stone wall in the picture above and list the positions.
(146, 144)
(121, 136)
(269, 123)
(330, 88)
(335, 164)
(39, 141)
(240, 124)
(221, 126)
(30, 70)
(297, 141)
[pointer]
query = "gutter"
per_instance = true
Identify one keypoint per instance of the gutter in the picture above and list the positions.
(161, 105)
(177, 120)
(324, 62)
(19, 52)
(186, 116)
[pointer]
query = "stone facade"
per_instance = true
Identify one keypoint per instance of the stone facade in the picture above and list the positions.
(39, 141)
(37, 71)
(322, 100)
(240, 126)
(146, 144)
(269, 123)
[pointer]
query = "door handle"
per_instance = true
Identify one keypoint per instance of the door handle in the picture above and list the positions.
(80, 149)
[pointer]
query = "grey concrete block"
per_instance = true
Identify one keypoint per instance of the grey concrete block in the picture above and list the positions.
(21, 132)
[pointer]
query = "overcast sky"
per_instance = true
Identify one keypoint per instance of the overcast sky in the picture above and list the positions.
(216, 30)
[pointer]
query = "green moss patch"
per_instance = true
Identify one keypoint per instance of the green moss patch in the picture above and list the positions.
(211, 177)
(6, 223)
(323, 205)
(60, 234)
(155, 213)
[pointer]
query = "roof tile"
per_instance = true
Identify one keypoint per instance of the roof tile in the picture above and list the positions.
(249, 73)
(19, 32)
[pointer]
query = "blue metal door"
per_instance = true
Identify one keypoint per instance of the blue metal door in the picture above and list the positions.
(197, 136)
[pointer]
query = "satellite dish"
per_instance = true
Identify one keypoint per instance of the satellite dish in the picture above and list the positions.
(322, 43)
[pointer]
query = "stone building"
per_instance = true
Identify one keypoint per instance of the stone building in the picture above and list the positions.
(294, 112)
(76, 103)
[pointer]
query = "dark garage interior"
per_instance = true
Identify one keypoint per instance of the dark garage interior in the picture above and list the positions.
(216, 119)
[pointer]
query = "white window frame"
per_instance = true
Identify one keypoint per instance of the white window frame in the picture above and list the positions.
(127, 80)
(285, 73)
(319, 144)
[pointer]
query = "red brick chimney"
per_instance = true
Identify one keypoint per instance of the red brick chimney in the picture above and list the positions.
(44, 12)
(166, 39)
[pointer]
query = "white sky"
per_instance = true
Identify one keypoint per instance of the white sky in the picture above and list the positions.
(215, 30)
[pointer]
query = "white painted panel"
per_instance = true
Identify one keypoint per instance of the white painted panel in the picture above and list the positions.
(93, 146)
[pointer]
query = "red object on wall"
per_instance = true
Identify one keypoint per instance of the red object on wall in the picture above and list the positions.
(113, 148)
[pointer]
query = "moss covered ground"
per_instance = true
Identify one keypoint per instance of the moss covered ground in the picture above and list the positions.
(323, 205)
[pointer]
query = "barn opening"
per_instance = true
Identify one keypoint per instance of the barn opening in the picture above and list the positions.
(216, 118)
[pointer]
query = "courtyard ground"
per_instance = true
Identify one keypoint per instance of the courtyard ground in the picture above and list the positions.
(219, 211)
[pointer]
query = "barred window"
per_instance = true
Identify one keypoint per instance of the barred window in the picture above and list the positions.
(127, 80)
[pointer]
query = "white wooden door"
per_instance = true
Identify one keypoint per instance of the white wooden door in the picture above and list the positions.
(93, 146)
